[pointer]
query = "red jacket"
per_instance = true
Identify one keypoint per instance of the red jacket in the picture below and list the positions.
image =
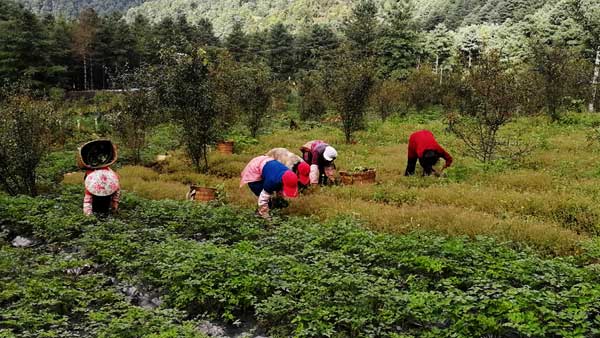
(423, 140)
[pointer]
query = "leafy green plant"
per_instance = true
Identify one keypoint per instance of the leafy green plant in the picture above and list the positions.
(299, 278)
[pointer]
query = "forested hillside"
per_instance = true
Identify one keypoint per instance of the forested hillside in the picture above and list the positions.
(71, 8)
(262, 13)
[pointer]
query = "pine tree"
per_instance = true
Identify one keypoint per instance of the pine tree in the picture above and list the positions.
(114, 50)
(280, 51)
(23, 45)
(142, 31)
(362, 29)
(205, 35)
(237, 42)
(315, 46)
(396, 46)
(59, 52)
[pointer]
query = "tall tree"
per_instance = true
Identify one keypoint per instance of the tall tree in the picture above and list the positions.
(280, 51)
(237, 41)
(439, 47)
(396, 46)
(23, 44)
(352, 81)
(587, 12)
(84, 35)
(205, 34)
(185, 90)
(114, 49)
(142, 32)
(59, 52)
(361, 28)
(316, 45)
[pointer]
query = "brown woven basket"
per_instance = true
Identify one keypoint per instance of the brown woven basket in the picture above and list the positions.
(112, 154)
(202, 194)
(225, 148)
(363, 177)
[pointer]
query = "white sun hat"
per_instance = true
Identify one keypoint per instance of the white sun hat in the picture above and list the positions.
(102, 182)
(330, 153)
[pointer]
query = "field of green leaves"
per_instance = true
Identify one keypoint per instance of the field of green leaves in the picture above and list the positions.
(300, 277)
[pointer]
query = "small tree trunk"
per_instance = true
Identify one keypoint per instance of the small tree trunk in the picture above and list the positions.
(595, 81)
(85, 83)
(91, 74)
(437, 63)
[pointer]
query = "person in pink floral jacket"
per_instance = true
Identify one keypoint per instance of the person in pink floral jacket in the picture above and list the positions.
(102, 192)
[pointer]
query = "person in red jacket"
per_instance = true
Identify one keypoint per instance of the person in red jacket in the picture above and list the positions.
(423, 147)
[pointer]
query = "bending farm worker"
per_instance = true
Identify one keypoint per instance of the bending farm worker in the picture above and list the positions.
(293, 162)
(102, 192)
(423, 147)
(265, 177)
(320, 156)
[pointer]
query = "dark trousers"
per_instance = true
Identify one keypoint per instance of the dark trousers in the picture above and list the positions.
(101, 204)
(410, 167)
(412, 164)
(256, 187)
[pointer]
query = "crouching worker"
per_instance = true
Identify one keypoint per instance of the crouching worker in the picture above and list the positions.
(294, 163)
(266, 177)
(423, 147)
(102, 192)
(320, 156)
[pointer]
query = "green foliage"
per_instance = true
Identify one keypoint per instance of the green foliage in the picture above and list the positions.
(69, 8)
(396, 45)
(300, 278)
(25, 136)
(137, 113)
(488, 97)
(62, 295)
(254, 94)
(184, 89)
(361, 28)
(313, 99)
(280, 51)
(351, 84)
(389, 97)
(237, 42)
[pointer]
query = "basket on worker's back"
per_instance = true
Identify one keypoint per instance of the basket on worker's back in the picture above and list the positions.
(97, 154)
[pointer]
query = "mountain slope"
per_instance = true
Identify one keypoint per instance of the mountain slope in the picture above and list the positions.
(71, 8)
(258, 14)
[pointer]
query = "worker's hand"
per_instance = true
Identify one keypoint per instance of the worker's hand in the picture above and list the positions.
(263, 212)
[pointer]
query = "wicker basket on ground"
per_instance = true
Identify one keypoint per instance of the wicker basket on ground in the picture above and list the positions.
(367, 176)
(225, 148)
(202, 194)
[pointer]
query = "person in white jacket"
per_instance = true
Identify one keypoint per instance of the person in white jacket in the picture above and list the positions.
(320, 156)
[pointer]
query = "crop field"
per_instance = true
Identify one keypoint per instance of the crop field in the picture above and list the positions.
(547, 202)
(124, 138)
(501, 249)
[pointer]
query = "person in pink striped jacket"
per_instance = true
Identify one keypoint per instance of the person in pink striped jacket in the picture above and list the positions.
(102, 192)
(266, 177)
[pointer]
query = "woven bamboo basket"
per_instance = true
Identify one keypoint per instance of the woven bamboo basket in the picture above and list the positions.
(225, 148)
(89, 154)
(363, 177)
(202, 194)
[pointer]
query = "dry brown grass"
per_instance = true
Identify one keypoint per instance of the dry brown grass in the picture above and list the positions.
(549, 202)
